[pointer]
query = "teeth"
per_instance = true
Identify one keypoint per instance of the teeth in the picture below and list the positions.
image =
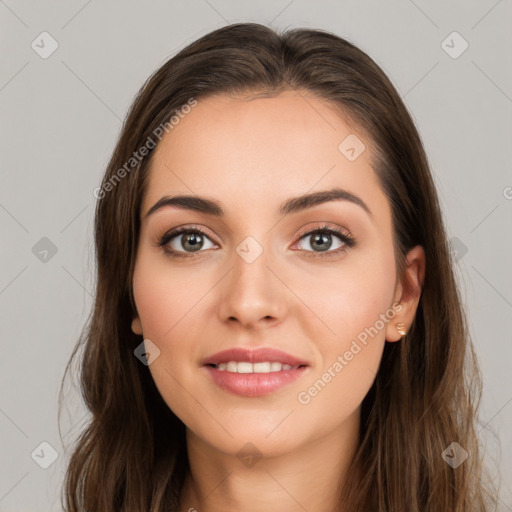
(232, 366)
(275, 367)
(245, 367)
(259, 367)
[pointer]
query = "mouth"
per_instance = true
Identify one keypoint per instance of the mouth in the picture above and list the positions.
(247, 367)
(252, 373)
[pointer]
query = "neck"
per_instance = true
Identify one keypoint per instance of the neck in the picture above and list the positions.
(309, 478)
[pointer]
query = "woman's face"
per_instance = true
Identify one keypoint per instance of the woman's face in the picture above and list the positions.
(257, 279)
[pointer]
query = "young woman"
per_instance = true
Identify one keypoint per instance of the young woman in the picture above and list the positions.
(276, 323)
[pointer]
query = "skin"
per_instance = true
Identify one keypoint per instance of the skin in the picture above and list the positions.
(251, 154)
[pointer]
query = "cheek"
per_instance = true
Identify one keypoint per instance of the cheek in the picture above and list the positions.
(345, 298)
(349, 359)
(165, 296)
(168, 303)
(348, 310)
(172, 304)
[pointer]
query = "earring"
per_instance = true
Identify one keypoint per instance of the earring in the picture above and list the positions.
(401, 329)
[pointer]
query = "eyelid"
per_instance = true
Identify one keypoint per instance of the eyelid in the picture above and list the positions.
(325, 226)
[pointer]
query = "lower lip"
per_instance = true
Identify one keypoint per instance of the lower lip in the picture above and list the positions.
(254, 384)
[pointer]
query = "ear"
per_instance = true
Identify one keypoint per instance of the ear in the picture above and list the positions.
(137, 326)
(408, 292)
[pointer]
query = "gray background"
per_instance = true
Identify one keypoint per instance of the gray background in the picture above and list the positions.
(61, 116)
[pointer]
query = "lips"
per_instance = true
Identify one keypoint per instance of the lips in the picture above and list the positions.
(244, 372)
(259, 355)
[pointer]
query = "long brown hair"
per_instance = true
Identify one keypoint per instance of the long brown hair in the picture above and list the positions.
(132, 454)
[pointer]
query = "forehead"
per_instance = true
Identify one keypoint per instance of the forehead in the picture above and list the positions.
(251, 148)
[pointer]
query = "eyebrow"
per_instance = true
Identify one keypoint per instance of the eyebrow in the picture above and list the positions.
(292, 205)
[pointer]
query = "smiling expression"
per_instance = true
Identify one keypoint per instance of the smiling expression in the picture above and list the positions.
(259, 268)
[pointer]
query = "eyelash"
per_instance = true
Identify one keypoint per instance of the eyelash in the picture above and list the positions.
(347, 240)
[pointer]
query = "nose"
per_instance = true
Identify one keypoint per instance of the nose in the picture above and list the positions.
(252, 295)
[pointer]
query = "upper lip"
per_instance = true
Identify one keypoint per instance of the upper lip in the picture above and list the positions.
(258, 355)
